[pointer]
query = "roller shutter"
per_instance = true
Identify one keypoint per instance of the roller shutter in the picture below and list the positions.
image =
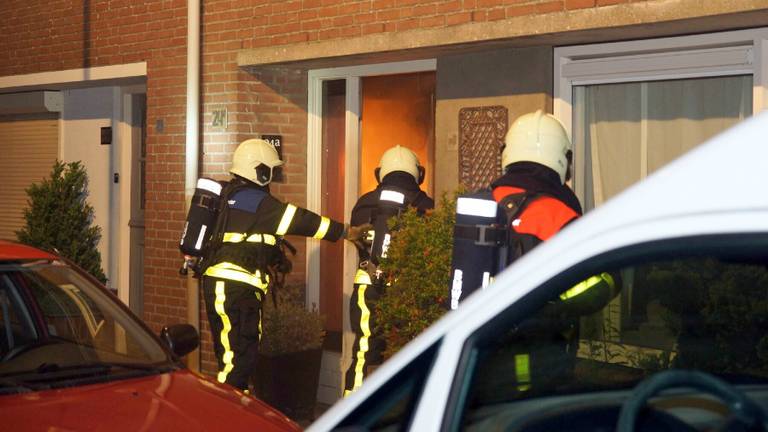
(29, 147)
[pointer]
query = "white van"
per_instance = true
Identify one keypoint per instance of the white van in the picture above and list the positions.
(680, 344)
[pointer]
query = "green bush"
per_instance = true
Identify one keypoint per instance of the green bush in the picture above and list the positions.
(59, 217)
(289, 327)
(418, 270)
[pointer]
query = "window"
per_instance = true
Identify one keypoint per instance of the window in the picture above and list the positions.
(392, 406)
(632, 107)
(630, 130)
(16, 327)
(693, 303)
(50, 313)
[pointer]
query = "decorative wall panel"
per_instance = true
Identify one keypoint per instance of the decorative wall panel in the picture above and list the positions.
(481, 136)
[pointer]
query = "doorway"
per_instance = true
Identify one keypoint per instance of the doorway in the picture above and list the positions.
(397, 110)
(355, 114)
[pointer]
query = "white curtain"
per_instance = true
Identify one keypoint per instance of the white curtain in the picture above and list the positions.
(633, 129)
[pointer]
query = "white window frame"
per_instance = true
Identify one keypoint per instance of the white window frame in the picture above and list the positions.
(353, 76)
(743, 52)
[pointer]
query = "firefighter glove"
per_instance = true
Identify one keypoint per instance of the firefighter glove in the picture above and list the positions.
(357, 235)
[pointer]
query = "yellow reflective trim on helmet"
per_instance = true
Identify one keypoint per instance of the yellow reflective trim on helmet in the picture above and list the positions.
(322, 230)
(365, 316)
(285, 221)
(586, 284)
(234, 272)
(228, 356)
(362, 277)
(523, 371)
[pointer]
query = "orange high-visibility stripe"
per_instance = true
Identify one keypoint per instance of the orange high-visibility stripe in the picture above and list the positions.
(542, 218)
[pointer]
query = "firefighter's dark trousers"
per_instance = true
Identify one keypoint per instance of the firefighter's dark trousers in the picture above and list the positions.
(366, 350)
(234, 313)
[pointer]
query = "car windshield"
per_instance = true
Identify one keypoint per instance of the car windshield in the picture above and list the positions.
(609, 331)
(56, 327)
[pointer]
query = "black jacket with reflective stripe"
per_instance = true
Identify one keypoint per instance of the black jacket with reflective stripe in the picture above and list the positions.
(369, 204)
(252, 209)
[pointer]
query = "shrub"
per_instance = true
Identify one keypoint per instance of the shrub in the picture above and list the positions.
(418, 270)
(289, 327)
(59, 217)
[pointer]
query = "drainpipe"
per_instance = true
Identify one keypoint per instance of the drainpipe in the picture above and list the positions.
(192, 154)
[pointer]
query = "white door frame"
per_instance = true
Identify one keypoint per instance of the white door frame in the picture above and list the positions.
(124, 133)
(743, 52)
(353, 75)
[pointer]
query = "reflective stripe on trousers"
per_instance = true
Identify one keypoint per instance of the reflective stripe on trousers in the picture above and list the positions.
(221, 297)
(234, 315)
(232, 272)
(523, 371)
(362, 283)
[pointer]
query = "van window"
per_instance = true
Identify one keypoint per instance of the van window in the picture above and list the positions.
(392, 407)
(691, 303)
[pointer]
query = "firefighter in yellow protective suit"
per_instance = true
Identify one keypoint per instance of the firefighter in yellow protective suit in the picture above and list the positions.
(249, 233)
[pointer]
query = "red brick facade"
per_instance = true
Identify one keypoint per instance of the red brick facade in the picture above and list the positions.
(54, 35)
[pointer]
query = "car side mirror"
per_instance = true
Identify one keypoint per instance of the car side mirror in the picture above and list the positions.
(182, 339)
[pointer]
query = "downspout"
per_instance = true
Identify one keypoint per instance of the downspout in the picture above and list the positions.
(192, 155)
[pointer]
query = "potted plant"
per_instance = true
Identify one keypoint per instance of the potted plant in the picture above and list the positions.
(288, 367)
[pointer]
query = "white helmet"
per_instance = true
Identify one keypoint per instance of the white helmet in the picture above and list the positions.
(254, 159)
(400, 158)
(538, 137)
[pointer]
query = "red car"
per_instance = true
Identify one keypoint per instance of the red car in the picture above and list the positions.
(72, 357)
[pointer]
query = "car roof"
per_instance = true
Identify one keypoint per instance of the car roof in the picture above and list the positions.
(10, 251)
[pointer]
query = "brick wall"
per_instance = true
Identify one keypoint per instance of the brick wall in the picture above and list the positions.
(287, 22)
(51, 35)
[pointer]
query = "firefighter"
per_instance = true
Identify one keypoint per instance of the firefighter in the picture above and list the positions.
(536, 161)
(528, 204)
(249, 232)
(399, 175)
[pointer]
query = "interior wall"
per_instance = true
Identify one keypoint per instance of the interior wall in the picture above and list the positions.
(84, 113)
(396, 110)
(518, 79)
